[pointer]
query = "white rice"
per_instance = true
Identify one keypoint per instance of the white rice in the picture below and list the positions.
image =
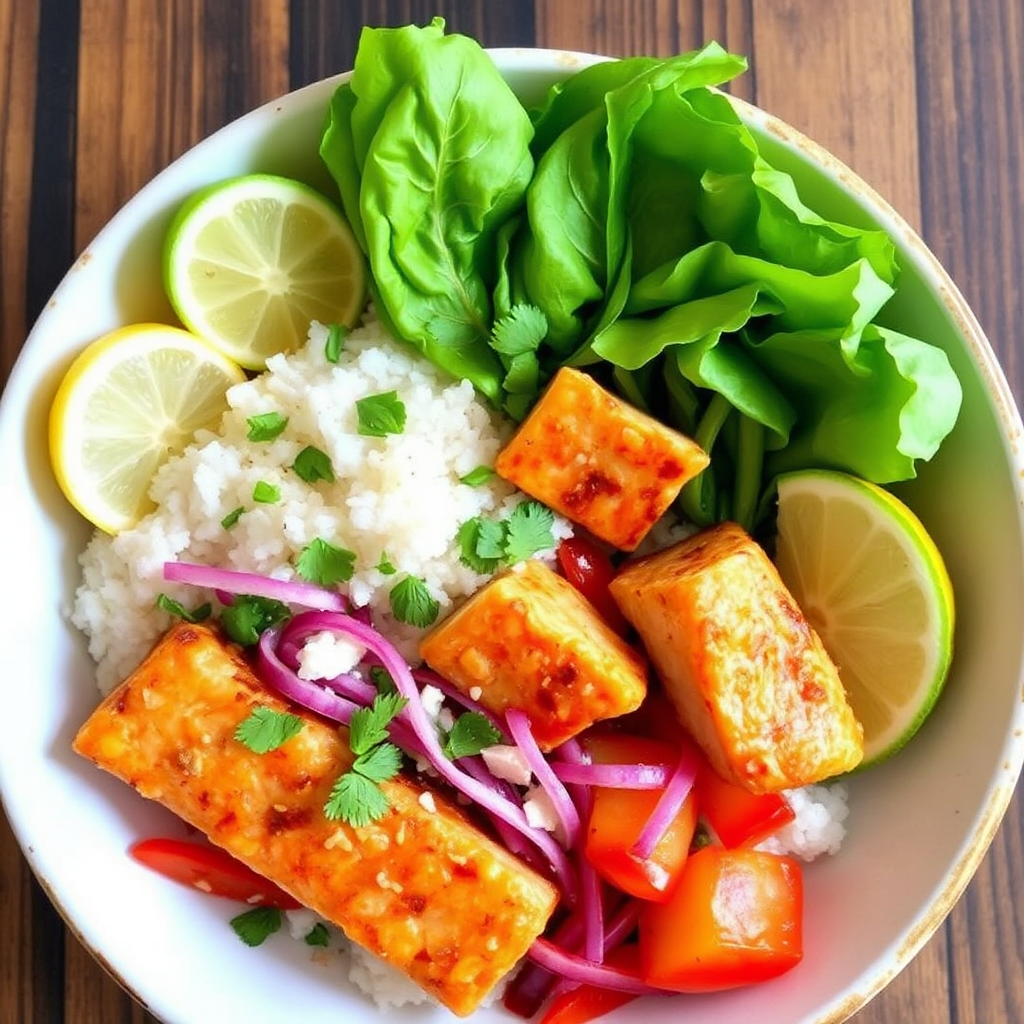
(818, 827)
(398, 496)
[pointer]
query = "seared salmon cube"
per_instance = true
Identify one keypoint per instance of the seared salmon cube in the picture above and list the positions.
(422, 887)
(598, 460)
(746, 672)
(528, 640)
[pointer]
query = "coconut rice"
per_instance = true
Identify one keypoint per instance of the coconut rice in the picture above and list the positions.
(396, 501)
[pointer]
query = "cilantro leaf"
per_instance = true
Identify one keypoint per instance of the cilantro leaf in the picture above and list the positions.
(172, 607)
(481, 544)
(529, 531)
(266, 493)
(311, 465)
(357, 800)
(379, 763)
(248, 616)
(369, 726)
(384, 566)
(476, 477)
(325, 564)
(265, 426)
(471, 733)
(232, 517)
(380, 415)
(336, 335)
(266, 729)
(381, 679)
(255, 926)
(412, 603)
(318, 935)
(521, 330)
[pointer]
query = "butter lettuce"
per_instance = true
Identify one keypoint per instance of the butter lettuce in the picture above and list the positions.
(431, 152)
(630, 224)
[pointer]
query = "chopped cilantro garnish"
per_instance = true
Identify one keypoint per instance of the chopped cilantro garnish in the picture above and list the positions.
(412, 603)
(379, 763)
(248, 616)
(529, 531)
(478, 476)
(369, 726)
(380, 415)
(318, 935)
(265, 426)
(520, 331)
(336, 335)
(266, 729)
(232, 517)
(471, 733)
(266, 494)
(255, 926)
(312, 464)
(176, 608)
(487, 543)
(357, 800)
(384, 566)
(325, 564)
(356, 797)
(480, 543)
(381, 679)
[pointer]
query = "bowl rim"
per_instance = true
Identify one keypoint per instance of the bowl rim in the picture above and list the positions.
(999, 792)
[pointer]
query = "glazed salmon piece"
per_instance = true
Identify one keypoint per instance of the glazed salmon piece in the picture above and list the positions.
(748, 676)
(598, 460)
(529, 640)
(422, 888)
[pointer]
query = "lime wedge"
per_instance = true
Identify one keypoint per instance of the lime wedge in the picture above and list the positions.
(250, 261)
(127, 402)
(874, 586)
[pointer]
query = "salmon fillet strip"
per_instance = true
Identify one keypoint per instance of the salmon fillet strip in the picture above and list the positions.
(423, 888)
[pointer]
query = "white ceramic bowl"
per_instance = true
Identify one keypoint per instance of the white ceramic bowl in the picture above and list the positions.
(918, 826)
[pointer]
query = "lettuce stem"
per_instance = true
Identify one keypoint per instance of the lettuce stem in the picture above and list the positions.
(749, 465)
(698, 500)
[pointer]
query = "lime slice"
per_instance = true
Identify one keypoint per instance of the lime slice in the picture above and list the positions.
(131, 399)
(873, 584)
(250, 261)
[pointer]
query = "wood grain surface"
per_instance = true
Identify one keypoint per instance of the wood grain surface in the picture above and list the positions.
(922, 97)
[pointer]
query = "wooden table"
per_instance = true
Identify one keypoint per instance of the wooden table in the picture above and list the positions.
(922, 97)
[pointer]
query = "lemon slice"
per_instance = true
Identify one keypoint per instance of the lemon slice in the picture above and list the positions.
(874, 586)
(250, 261)
(131, 399)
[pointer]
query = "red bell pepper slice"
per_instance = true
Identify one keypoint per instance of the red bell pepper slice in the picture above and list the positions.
(739, 817)
(734, 918)
(589, 1002)
(211, 870)
(618, 816)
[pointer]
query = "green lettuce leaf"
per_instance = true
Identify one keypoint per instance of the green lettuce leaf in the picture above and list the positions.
(441, 149)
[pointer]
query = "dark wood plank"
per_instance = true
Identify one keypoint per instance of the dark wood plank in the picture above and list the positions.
(972, 157)
(325, 33)
(155, 79)
(19, 27)
(868, 120)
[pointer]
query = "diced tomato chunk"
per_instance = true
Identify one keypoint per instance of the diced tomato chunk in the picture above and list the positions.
(588, 567)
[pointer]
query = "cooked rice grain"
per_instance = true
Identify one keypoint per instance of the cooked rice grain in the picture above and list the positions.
(398, 496)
